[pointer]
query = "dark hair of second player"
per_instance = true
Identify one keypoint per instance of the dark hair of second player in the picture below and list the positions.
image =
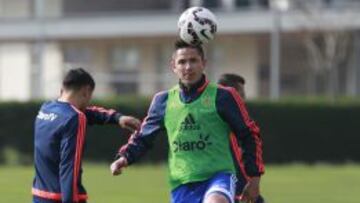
(77, 78)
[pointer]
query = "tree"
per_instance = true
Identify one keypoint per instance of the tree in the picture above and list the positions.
(328, 43)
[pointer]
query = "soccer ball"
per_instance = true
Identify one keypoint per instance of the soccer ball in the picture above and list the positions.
(197, 25)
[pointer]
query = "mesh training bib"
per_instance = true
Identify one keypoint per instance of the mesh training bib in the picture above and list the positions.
(198, 138)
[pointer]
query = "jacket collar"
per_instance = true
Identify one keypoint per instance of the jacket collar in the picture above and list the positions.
(197, 87)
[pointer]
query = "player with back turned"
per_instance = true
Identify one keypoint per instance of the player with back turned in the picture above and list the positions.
(60, 129)
(244, 182)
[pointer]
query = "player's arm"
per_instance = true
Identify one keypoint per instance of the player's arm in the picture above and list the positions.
(233, 111)
(100, 116)
(70, 149)
(143, 140)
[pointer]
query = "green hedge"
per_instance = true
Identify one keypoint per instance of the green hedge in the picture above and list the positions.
(309, 132)
(292, 131)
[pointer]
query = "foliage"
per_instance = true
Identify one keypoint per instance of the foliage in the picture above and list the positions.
(294, 129)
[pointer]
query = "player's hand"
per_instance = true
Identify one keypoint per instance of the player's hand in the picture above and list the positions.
(117, 166)
(130, 123)
(251, 190)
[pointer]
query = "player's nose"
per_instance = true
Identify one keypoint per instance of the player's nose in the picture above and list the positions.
(188, 66)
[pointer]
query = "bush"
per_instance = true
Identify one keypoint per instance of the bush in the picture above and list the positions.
(292, 131)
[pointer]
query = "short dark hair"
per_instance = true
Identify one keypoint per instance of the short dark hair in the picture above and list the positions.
(179, 44)
(231, 79)
(77, 78)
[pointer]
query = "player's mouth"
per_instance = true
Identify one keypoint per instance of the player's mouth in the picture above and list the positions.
(189, 76)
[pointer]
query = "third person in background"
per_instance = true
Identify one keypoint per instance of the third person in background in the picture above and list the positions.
(244, 182)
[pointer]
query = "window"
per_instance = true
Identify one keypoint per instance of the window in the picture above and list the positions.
(217, 60)
(211, 4)
(252, 3)
(124, 58)
(78, 56)
(76, 7)
(165, 76)
(124, 62)
(15, 8)
(242, 3)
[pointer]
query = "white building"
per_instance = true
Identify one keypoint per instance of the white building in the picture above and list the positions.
(126, 45)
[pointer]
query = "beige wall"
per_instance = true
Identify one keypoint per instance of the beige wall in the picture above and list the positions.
(15, 71)
(226, 55)
(100, 66)
(234, 55)
(53, 8)
(52, 70)
(147, 74)
(240, 56)
(25, 8)
(156, 74)
(15, 8)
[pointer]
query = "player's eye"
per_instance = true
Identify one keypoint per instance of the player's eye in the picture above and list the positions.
(193, 60)
(181, 61)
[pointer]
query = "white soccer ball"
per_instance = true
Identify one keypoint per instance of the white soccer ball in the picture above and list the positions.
(197, 25)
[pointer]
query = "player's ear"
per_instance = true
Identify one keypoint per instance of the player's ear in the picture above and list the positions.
(173, 61)
(172, 64)
(84, 91)
(204, 61)
(88, 90)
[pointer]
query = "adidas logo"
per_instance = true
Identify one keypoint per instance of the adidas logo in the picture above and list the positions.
(189, 123)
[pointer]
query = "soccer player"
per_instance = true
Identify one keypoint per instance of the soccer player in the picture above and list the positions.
(60, 129)
(243, 184)
(235, 81)
(198, 117)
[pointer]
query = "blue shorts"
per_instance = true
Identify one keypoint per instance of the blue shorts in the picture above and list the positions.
(196, 192)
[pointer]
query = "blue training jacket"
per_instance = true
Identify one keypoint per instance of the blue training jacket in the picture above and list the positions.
(59, 135)
(231, 109)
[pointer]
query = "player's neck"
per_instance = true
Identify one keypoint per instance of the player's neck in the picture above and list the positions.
(71, 98)
(194, 86)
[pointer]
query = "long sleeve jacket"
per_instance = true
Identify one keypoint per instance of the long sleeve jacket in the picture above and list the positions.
(59, 137)
(231, 109)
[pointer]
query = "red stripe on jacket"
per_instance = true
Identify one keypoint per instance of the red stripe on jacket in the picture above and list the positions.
(254, 129)
(101, 110)
(201, 89)
(238, 155)
(53, 195)
(80, 137)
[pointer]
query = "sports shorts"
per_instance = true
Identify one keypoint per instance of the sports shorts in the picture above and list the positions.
(196, 192)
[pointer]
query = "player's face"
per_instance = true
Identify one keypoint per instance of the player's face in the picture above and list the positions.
(188, 65)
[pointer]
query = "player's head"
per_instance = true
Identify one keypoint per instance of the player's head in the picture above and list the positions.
(188, 62)
(80, 83)
(233, 80)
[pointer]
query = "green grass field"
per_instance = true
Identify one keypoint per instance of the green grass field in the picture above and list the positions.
(281, 184)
